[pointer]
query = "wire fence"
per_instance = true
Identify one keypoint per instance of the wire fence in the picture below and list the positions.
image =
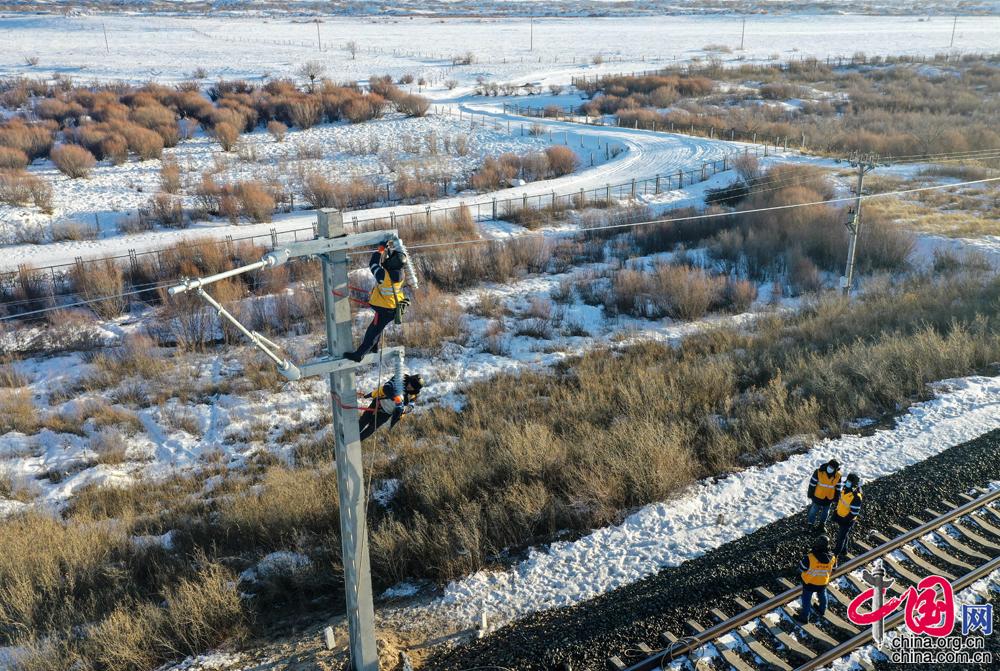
(55, 280)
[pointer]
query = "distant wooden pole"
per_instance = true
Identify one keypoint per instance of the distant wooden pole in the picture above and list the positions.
(953, 26)
(743, 33)
(107, 47)
(319, 40)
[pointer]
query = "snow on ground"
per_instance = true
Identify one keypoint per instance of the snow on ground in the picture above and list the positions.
(52, 466)
(646, 155)
(712, 513)
(379, 150)
(171, 48)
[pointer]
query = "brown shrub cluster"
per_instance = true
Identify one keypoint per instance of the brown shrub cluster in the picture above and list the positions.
(73, 161)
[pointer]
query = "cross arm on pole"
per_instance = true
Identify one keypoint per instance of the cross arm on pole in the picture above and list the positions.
(320, 246)
(326, 365)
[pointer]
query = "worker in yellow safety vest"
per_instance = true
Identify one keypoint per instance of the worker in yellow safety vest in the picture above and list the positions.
(824, 489)
(387, 406)
(386, 298)
(815, 569)
(847, 511)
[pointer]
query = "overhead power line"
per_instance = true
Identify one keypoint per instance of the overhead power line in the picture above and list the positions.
(579, 231)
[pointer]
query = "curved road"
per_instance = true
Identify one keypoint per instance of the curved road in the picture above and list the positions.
(645, 155)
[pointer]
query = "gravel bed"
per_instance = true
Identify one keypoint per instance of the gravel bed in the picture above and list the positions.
(584, 636)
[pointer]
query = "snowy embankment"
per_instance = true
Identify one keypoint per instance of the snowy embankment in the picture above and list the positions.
(712, 513)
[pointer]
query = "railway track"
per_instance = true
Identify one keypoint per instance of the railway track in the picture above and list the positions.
(962, 545)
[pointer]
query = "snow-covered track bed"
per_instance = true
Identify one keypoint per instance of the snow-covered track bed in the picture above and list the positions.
(961, 545)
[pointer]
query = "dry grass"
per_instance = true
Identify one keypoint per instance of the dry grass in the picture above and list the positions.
(18, 412)
(432, 319)
(966, 222)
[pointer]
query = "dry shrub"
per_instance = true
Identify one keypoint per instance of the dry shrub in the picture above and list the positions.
(227, 135)
(673, 290)
(364, 108)
(205, 610)
(54, 575)
(255, 201)
(137, 357)
(73, 160)
(170, 175)
(12, 159)
(167, 210)
(412, 105)
(73, 230)
(144, 142)
(562, 160)
(319, 191)
(103, 283)
(277, 130)
(35, 140)
(18, 187)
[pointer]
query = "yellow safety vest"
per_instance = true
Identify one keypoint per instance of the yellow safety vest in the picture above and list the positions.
(386, 294)
(819, 572)
(388, 404)
(827, 486)
(844, 504)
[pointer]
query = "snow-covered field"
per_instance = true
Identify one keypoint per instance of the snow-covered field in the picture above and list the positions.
(172, 48)
(713, 512)
(166, 49)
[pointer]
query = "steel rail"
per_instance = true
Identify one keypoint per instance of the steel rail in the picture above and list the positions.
(690, 643)
(893, 620)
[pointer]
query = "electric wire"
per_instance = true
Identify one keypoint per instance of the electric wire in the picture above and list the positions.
(590, 229)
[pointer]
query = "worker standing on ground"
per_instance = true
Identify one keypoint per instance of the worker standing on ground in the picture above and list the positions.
(387, 298)
(387, 406)
(816, 568)
(824, 488)
(847, 511)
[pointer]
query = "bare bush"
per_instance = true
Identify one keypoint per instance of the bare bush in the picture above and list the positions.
(102, 284)
(167, 210)
(413, 105)
(73, 161)
(12, 159)
(277, 130)
(170, 175)
(227, 136)
(255, 200)
(562, 160)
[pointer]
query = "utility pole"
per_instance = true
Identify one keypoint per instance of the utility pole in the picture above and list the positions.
(331, 247)
(743, 33)
(865, 163)
(319, 40)
(107, 47)
(350, 467)
(531, 33)
(953, 26)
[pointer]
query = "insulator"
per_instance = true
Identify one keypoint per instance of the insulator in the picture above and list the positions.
(397, 381)
(411, 273)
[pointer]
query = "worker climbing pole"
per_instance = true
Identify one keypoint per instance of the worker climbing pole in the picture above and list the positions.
(387, 265)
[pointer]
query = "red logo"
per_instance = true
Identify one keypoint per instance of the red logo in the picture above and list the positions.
(925, 612)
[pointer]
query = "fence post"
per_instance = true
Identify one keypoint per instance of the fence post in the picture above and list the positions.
(657, 184)
(494, 207)
(274, 238)
(428, 215)
(608, 187)
(633, 188)
(680, 178)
